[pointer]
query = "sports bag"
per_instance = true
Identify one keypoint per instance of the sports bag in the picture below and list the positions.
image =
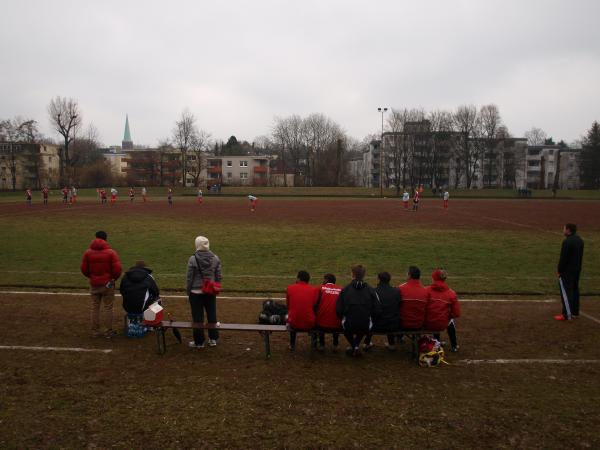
(273, 313)
(431, 352)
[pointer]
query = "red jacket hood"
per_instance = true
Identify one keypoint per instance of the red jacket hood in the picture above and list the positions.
(439, 286)
(99, 244)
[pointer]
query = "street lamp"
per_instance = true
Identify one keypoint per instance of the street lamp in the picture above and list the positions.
(382, 111)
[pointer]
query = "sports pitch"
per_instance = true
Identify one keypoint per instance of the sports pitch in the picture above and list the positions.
(519, 380)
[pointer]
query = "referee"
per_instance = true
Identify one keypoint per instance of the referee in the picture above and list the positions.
(569, 269)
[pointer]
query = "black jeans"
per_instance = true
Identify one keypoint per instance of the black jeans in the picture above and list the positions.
(313, 339)
(571, 291)
(451, 334)
(199, 303)
(336, 338)
(353, 338)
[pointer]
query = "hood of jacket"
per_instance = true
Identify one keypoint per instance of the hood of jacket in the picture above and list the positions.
(138, 274)
(440, 286)
(358, 284)
(99, 244)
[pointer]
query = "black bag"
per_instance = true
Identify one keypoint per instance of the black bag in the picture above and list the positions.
(273, 313)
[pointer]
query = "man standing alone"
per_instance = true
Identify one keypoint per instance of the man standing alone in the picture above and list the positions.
(569, 269)
(102, 266)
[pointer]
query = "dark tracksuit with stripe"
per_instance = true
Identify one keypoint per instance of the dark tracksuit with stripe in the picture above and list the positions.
(569, 269)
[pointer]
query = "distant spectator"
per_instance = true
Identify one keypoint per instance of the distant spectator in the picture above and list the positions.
(414, 301)
(102, 266)
(301, 299)
(442, 308)
(569, 270)
(389, 320)
(327, 319)
(138, 288)
(203, 264)
(357, 307)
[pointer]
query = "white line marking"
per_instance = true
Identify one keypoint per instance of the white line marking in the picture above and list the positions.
(530, 361)
(467, 300)
(589, 317)
(55, 349)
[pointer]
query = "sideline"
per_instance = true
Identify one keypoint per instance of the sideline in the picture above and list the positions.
(589, 317)
(529, 361)
(55, 349)
(467, 300)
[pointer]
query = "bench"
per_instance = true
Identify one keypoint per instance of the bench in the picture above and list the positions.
(266, 330)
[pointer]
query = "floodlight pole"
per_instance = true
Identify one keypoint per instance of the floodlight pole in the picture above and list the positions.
(382, 111)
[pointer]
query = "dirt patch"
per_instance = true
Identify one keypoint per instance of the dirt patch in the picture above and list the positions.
(231, 397)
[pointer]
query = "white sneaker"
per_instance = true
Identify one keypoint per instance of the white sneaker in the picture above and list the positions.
(192, 344)
(212, 343)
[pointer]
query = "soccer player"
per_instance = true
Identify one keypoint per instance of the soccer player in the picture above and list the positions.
(113, 196)
(74, 194)
(45, 192)
(416, 199)
(327, 319)
(144, 193)
(65, 193)
(70, 196)
(199, 196)
(442, 308)
(28, 196)
(253, 201)
(131, 194)
(446, 197)
(301, 299)
(569, 270)
(170, 196)
(103, 196)
(405, 199)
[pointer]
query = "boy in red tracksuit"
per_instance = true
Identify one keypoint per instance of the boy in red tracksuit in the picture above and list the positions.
(443, 308)
(301, 299)
(45, 192)
(415, 298)
(327, 319)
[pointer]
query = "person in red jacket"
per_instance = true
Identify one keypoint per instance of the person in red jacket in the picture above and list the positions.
(414, 301)
(443, 308)
(327, 319)
(301, 299)
(102, 266)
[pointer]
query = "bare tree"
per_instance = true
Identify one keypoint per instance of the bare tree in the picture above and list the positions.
(490, 127)
(199, 147)
(467, 157)
(184, 134)
(20, 132)
(441, 142)
(65, 118)
(535, 136)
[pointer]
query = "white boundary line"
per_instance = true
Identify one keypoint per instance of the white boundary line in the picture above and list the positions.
(589, 317)
(529, 361)
(467, 300)
(55, 349)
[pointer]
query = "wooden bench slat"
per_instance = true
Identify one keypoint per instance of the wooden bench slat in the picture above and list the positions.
(224, 326)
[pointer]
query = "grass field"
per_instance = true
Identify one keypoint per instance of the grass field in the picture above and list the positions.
(520, 379)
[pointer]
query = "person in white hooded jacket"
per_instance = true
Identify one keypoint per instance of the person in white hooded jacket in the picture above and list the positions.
(203, 264)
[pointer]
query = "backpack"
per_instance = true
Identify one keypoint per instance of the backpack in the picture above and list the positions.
(273, 313)
(431, 352)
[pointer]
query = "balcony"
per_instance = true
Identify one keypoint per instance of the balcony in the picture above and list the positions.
(215, 169)
(260, 169)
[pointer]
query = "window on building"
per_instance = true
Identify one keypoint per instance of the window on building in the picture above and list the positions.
(243, 163)
(533, 163)
(533, 152)
(243, 175)
(229, 164)
(229, 175)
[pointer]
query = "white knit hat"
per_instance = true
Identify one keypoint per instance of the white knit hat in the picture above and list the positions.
(202, 244)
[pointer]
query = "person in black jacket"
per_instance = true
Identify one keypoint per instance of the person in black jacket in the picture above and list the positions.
(357, 307)
(138, 288)
(569, 269)
(389, 319)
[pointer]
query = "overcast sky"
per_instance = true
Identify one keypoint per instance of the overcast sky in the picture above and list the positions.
(238, 64)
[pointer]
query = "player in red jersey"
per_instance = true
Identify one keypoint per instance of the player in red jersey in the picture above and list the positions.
(327, 319)
(103, 196)
(301, 299)
(170, 196)
(113, 196)
(416, 200)
(253, 201)
(45, 192)
(65, 193)
(199, 196)
(131, 195)
(28, 196)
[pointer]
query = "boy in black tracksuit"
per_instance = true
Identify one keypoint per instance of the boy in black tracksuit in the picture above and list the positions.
(389, 319)
(138, 288)
(569, 269)
(357, 307)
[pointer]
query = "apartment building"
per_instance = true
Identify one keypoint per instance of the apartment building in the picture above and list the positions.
(24, 165)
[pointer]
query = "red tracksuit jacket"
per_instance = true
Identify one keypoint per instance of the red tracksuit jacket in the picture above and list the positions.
(443, 305)
(301, 298)
(326, 316)
(413, 305)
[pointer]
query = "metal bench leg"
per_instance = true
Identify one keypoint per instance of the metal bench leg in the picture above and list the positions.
(161, 341)
(266, 335)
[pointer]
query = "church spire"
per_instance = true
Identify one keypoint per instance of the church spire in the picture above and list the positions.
(127, 143)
